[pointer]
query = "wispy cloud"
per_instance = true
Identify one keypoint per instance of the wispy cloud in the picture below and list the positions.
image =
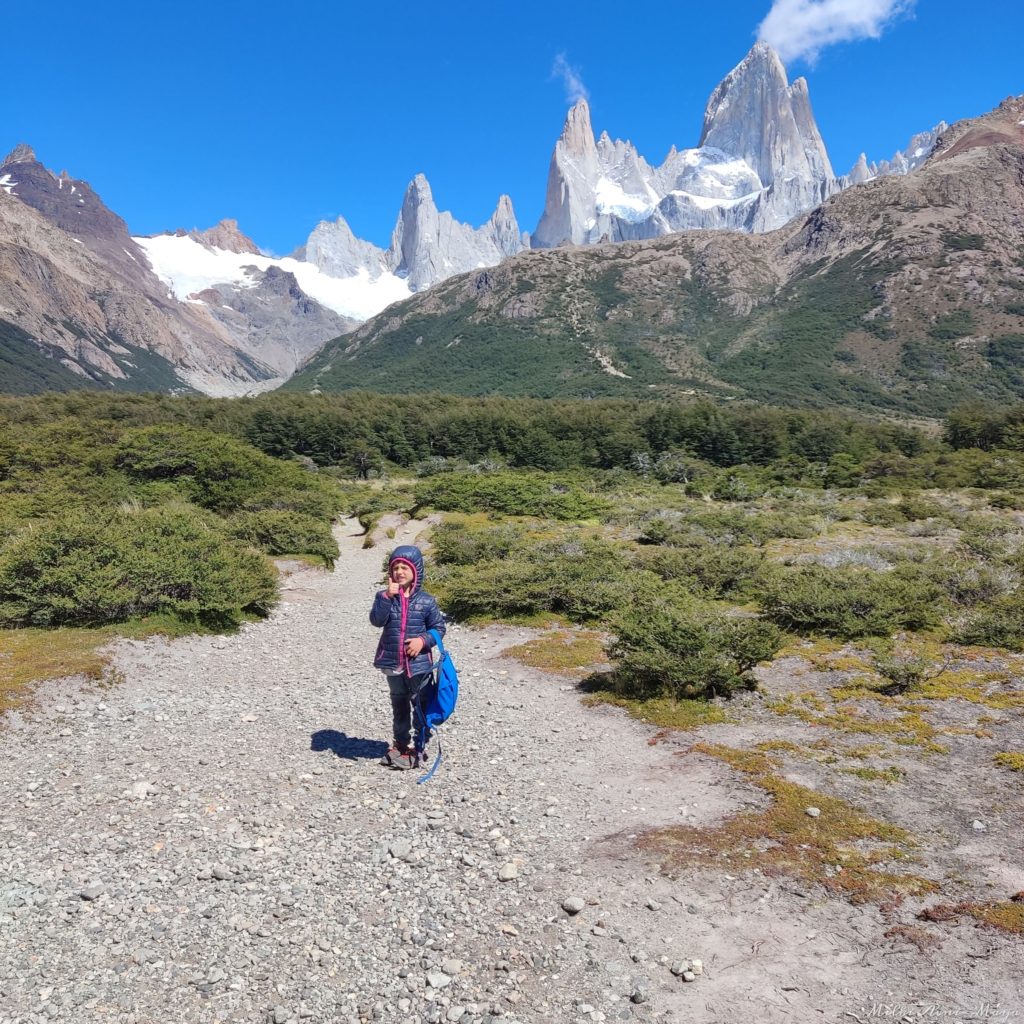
(803, 28)
(575, 90)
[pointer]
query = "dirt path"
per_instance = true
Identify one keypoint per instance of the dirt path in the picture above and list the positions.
(213, 840)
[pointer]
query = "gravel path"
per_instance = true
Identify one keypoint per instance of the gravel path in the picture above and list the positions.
(212, 839)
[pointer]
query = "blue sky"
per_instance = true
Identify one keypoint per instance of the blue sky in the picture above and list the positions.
(282, 115)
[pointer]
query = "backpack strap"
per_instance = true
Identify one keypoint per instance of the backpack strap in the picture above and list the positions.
(425, 734)
(437, 641)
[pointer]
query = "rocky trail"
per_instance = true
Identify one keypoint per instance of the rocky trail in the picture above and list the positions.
(212, 839)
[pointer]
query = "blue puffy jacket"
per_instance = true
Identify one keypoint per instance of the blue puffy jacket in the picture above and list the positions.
(402, 618)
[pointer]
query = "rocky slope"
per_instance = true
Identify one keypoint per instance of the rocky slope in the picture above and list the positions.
(904, 293)
(81, 306)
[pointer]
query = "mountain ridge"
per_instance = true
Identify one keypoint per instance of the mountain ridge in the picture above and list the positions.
(905, 294)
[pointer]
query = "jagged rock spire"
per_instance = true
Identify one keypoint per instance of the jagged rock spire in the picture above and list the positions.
(227, 235)
(756, 115)
(22, 153)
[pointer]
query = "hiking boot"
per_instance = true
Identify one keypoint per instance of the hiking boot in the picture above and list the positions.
(404, 760)
(393, 758)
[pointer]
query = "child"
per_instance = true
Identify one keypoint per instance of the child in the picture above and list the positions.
(405, 612)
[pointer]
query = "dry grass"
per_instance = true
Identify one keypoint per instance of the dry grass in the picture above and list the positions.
(665, 712)
(565, 651)
(30, 656)
(1012, 759)
(1005, 915)
(843, 850)
(914, 936)
(905, 727)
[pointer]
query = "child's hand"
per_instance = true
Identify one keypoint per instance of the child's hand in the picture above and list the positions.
(413, 646)
(393, 588)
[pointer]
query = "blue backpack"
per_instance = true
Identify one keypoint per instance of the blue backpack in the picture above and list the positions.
(437, 699)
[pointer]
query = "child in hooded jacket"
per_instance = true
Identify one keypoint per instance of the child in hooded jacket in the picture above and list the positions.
(406, 613)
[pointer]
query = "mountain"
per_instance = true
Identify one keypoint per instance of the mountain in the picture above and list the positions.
(760, 162)
(81, 305)
(427, 245)
(82, 300)
(904, 294)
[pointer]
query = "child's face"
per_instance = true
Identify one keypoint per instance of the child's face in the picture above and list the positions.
(402, 574)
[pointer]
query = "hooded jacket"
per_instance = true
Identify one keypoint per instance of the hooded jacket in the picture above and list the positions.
(403, 618)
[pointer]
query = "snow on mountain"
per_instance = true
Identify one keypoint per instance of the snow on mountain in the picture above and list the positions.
(188, 268)
(760, 162)
(427, 245)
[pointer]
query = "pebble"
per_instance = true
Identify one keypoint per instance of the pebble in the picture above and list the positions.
(812, 812)
(641, 993)
(438, 979)
(979, 826)
(93, 892)
(507, 872)
(573, 904)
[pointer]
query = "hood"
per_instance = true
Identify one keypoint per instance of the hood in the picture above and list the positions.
(412, 555)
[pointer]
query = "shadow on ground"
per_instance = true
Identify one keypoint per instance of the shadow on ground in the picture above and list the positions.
(352, 748)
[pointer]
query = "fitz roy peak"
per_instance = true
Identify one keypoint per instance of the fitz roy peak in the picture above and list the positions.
(760, 162)
(427, 245)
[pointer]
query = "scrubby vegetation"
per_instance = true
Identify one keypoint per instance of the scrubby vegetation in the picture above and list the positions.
(104, 522)
(675, 553)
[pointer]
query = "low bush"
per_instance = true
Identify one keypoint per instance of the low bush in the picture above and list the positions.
(1000, 623)
(467, 544)
(707, 570)
(848, 602)
(727, 526)
(668, 644)
(221, 473)
(512, 494)
(80, 569)
(285, 533)
(583, 580)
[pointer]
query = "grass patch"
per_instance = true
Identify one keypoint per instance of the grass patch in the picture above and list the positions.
(843, 850)
(666, 712)
(1004, 915)
(887, 775)
(562, 651)
(31, 656)
(1014, 760)
(906, 728)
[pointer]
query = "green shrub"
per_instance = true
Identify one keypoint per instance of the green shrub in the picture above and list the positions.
(582, 580)
(707, 570)
(511, 494)
(223, 474)
(285, 533)
(465, 544)
(81, 569)
(728, 526)
(668, 644)
(848, 602)
(883, 513)
(1000, 624)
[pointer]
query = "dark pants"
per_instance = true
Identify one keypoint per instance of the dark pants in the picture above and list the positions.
(405, 708)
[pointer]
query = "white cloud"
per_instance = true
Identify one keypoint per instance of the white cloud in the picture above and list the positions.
(803, 28)
(575, 90)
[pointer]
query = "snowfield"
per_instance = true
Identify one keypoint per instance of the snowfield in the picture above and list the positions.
(189, 267)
